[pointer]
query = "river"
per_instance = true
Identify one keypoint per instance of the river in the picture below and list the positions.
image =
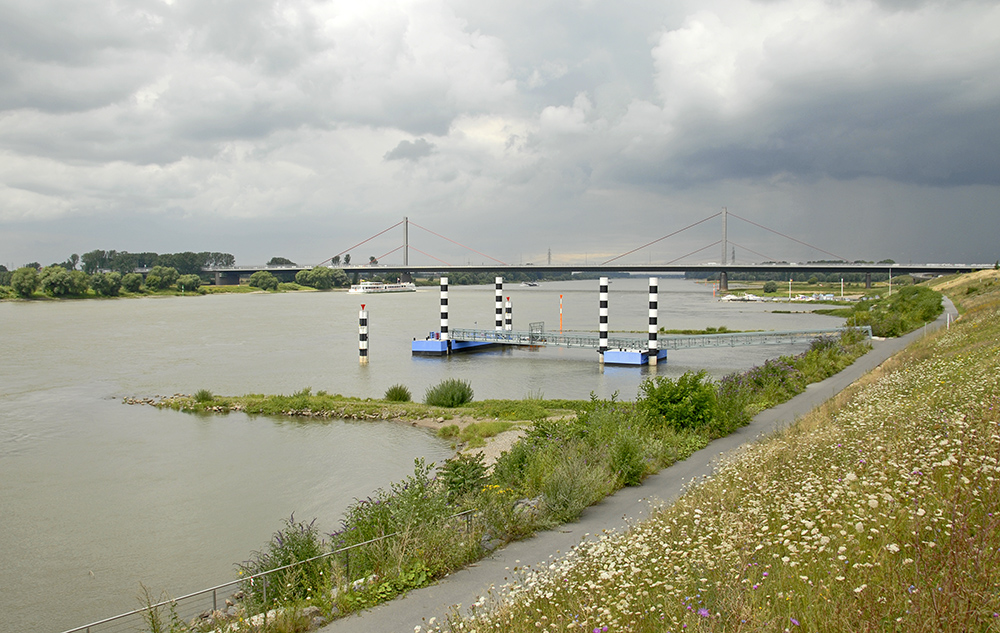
(97, 497)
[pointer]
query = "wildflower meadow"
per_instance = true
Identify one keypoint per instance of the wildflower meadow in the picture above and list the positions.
(877, 512)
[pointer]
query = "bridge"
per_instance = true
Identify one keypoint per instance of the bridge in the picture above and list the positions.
(838, 265)
(720, 270)
(538, 337)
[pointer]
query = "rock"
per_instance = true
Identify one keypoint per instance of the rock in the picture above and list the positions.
(318, 622)
(311, 612)
(440, 420)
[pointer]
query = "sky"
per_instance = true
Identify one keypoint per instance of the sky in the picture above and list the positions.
(506, 131)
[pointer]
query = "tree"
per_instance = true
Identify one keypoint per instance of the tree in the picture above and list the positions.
(188, 282)
(340, 279)
(131, 282)
(164, 277)
(335, 260)
(186, 263)
(372, 261)
(94, 260)
(106, 284)
(347, 259)
(770, 286)
(124, 262)
(321, 278)
(280, 261)
(57, 281)
(24, 281)
(263, 280)
(74, 259)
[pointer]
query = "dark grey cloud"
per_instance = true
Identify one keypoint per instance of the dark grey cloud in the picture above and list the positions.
(412, 151)
(559, 114)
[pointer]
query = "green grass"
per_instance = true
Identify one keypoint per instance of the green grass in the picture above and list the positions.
(876, 512)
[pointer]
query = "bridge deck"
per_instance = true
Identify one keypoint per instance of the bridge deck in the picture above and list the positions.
(591, 340)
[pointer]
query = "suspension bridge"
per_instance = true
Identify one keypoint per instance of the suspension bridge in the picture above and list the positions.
(719, 270)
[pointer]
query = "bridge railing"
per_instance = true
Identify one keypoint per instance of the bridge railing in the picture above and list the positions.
(591, 340)
(196, 606)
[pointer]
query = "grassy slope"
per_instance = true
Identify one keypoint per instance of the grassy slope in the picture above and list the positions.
(876, 512)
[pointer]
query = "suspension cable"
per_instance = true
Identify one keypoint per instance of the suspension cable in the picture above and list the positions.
(428, 254)
(788, 237)
(770, 259)
(663, 238)
(454, 242)
(715, 243)
(369, 239)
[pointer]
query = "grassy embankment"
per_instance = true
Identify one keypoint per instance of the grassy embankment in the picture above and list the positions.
(573, 455)
(876, 512)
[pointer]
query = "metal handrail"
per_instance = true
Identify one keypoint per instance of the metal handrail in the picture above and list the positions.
(591, 340)
(263, 574)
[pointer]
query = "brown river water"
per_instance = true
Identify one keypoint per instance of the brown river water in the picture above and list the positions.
(97, 497)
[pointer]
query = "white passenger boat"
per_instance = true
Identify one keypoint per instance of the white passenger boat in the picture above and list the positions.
(372, 287)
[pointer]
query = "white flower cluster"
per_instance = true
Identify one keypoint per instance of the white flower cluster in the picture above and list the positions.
(882, 511)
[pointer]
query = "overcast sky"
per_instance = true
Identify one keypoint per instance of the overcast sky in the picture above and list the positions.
(297, 128)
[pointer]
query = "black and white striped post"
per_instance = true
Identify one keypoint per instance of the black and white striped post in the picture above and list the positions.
(444, 309)
(603, 329)
(363, 336)
(653, 299)
(508, 317)
(499, 304)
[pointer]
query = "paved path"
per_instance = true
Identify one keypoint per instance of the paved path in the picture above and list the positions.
(617, 511)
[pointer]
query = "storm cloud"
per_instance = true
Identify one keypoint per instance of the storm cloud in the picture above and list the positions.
(231, 126)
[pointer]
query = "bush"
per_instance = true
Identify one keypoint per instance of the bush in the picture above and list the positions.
(770, 286)
(411, 508)
(687, 403)
(161, 277)
(56, 281)
(462, 475)
(24, 281)
(263, 280)
(203, 395)
(298, 541)
(106, 284)
(188, 282)
(450, 392)
(131, 282)
(397, 393)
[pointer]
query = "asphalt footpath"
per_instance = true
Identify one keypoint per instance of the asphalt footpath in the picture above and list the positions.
(629, 505)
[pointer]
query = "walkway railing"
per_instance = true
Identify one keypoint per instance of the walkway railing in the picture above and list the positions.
(590, 340)
(189, 607)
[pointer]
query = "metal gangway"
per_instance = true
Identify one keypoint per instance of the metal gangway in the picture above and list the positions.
(536, 336)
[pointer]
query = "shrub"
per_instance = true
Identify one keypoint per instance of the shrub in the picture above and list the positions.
(188, 282)
(263, 280)
(106, 284)
(411, 508)
(24, 281)
(297, 541)
(450, 392)
(770, 286)
(462, 475)
(398, 393)
(161, 277)
(203, 395)
(131, 282)
(685, 403)
(56, 281)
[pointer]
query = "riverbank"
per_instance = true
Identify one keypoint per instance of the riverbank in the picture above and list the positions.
(875, 512)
